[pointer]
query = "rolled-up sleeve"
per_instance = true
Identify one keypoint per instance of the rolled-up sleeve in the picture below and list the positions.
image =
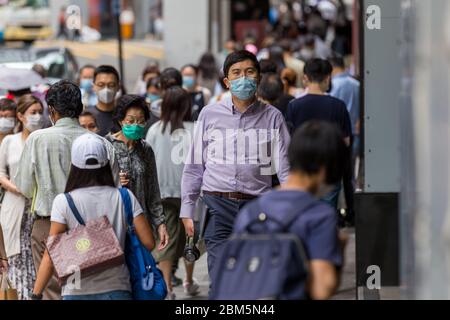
(194, 168)
(283, 145)
(25, 178)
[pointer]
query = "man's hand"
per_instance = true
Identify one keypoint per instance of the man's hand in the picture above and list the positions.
(188, 226)
(163, 237)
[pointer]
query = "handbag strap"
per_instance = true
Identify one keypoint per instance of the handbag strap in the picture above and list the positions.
(74, 209)
(130, 226)
(127, 204)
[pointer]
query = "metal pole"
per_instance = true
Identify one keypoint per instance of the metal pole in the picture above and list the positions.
(117, 9)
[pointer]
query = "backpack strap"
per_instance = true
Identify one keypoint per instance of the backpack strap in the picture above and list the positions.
(127, 204)
(283, 223)
(74, 209)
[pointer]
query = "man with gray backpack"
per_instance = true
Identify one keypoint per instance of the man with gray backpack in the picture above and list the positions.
(285, 245)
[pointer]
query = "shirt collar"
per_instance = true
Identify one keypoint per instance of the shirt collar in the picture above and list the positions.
(67, 122)
(251, 109)
(342, 75)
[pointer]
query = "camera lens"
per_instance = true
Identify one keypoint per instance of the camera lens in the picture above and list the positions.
(189, 256)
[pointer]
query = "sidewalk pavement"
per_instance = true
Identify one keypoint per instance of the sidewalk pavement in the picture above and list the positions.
(347, 289)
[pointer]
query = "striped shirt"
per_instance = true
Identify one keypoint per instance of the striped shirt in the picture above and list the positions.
(235, 152)
(45, 164)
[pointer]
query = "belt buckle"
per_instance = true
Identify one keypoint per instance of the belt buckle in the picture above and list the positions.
(231, 197)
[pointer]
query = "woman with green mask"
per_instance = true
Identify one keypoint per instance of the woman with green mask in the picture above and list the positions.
(137, 160)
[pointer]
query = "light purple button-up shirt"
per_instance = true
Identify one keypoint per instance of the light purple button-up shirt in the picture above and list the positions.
(235, 152)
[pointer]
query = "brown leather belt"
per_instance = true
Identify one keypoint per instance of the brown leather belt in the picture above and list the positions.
(36, 217)
(231, 195)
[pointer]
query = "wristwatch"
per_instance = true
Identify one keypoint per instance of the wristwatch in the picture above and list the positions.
(36, 296)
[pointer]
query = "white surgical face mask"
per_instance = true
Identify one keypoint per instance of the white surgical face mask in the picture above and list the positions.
(106, 95)
(34, 122)
(7, 124)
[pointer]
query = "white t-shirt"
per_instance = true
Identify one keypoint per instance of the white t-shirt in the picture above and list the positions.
(92, 203)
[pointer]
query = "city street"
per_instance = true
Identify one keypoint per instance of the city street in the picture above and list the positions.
(347, 288)
(346, 99)
(136, 54)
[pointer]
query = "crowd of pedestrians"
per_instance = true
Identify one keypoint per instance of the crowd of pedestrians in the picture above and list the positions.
(279, 126)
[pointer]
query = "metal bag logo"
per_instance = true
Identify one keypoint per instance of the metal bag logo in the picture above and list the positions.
(83, 245)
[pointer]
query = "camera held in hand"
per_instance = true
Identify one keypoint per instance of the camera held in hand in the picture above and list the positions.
(191, 252)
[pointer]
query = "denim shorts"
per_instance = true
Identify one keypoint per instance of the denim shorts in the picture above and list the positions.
(112, 295)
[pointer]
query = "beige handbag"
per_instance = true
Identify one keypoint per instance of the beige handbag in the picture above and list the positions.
(7, 292)
(89, 248)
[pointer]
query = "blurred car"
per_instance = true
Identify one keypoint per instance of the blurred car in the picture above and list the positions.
(59, 63)
(25, 20)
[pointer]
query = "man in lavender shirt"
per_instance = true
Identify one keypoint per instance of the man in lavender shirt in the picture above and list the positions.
(238, 144)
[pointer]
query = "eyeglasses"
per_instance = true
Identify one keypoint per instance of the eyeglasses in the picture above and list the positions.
(238, 73)
(132, 120)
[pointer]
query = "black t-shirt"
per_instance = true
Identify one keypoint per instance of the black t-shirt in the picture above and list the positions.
(198, 102)
(318, 107)
(104, 120)
(282, 103)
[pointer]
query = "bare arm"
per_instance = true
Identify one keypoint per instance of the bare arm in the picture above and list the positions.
(3, 258)
(144, 232)
(46, 268)
(8, 185)
(323, 280)
(5, 181)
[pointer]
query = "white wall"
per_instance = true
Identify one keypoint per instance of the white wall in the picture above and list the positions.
(185, 31)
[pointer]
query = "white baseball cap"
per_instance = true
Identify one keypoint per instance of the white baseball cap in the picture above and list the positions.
(89, 152)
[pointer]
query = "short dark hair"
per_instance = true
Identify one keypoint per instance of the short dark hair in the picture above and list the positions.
(154, 82)
(171, 77)
(176, 107)
(83, 178)
(65, 97)
(337, 61)
(7, 105)
(152, 68)
(129, 101)
(239, 56)
(87, 66)
(286, 45)
(271, 87)
(190, 65)
(268, 66)
(315, 145)
(88, 114)
(317, 70)
(106, 69)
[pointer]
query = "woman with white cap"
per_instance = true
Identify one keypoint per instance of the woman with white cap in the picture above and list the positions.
(16, 219)
(91, 185)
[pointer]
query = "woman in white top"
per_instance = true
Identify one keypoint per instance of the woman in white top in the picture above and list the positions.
(91, 185)
(170, 139)
(15, 215)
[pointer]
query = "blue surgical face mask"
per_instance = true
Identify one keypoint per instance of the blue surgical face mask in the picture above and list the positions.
(87, 84)
(188, 82)
(243, 88)
(152, 97)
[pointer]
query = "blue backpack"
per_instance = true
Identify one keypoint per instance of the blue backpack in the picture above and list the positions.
(147, 282)
(263, 262)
